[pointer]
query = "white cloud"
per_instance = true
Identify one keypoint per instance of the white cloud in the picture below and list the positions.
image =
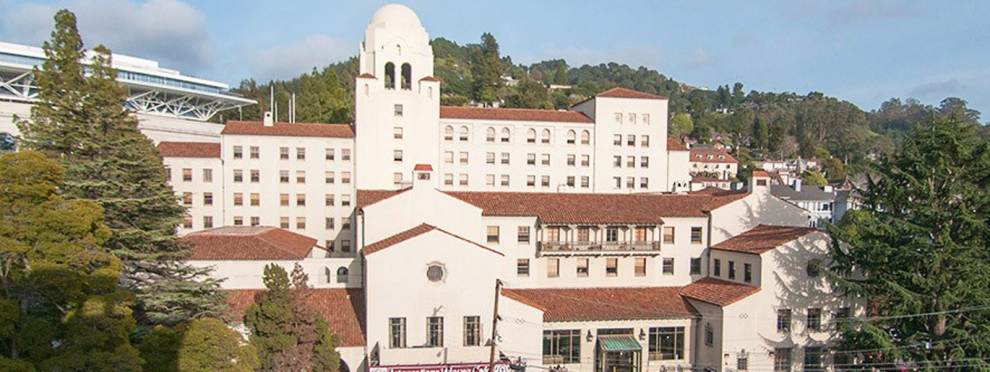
(290, 60)
(169, 31)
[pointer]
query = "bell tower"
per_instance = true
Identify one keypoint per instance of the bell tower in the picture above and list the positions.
(397, 100)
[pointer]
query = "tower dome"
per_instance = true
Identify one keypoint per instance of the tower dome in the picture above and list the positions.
(395, 15)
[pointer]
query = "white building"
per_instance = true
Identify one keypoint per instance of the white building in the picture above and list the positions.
(422, 226)
(713, 163)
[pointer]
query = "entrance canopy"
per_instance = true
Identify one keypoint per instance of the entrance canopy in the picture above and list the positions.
(610, 343)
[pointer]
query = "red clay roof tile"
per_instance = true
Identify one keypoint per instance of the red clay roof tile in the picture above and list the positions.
(430, 78)
(423, 167)
(717, 292)
(674, 145)
(169, 149)
(709, 155)
(512, 114)
(367, 76)
(412, 233)
(343, 309)
(619, 92)
(596, 304)
(248, 243)
(257, 128)
(763, 238)
(369, 197)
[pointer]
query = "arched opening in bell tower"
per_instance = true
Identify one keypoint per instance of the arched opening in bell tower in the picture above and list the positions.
(390, 75)
(406, 76)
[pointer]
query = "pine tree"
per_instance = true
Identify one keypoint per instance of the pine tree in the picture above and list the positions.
(80, 120)
(486, 69)
(920, 242)
(209, 345)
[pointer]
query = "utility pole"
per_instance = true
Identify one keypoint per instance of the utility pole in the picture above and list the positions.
(491, 358)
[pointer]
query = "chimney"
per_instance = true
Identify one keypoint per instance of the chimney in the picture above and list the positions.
(759, 181)
(268, 121)
(797, 184)
(423, 176)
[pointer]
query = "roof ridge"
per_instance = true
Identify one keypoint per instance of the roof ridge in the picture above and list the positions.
(263, 237)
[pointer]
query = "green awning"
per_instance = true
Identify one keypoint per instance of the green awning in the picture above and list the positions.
(618, 343)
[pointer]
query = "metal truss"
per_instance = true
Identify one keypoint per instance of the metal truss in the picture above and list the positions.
(19, 86)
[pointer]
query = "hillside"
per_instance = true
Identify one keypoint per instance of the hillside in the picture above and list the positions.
(756, 124)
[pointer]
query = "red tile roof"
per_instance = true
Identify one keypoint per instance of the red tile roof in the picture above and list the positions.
(596, 304)
(513, 114)
(763, 238)
(423, 167)
(429, 78)
(760, 173)
(248, 243)
(596, 208)
(717, 292)
(412, 233)
(674, 145)
(257, 128)
(619, 92)
(702, 155)
(369, 197)
(367, 76)
(343, 309)
(189, 149)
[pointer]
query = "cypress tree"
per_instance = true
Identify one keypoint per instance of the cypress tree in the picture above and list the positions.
(919, 247)
(80, 120)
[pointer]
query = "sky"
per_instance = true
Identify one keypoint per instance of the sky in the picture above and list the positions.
(861, 51)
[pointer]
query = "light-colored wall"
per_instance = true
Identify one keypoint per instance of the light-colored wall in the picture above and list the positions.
(588, 348)
(521, 329)
(678, 170)
(606, 127)
(397, 286)
(725, 171)
(198, 187)
(247, 274)
(421, 204)
(759, 207)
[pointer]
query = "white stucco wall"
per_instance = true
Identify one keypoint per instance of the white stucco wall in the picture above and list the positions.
(248, 274)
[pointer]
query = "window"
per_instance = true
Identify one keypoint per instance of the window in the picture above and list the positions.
(545, 181)
(283, 222)
(283, 200)
(582, 267)
(742, 362)
(570, 181)
(434, 331)
(618, 117)
(611, 267)
(463, 134)
(717, 267)
(843, 313)
(545, 138)
(561, 346)
(283, 153)
(345, 154)
(300, 176)
(709, 335)
(397, 132)
(747, 273)
(207, 198)
(283, 176)
(617, 140)
(397, 177)
(238, 175)
(472, 330)
(329, 154)
(490, 134)
(640, 267)
(506, 134)
(696, 235)
(618, 182)
(611, 234)
(238, 198)
(630, 162)
(646, 118)
(255, 199)
(490, 180)
(397, 332)
(345, 245)
(585, 160)
(300, 200)
(300, 222)
(328, 177)
(631, 140)
(464, 157)
(462, 179)
(630, 182)
(505, 158)
(345, 177)
(666, 343)
(435, 273)
(571, 159)
(187, 198)
(782, 359)
(571, 137)
(523, 235)
(207, 175)
(644, 182)
(585, 182)
(553, 267)
(397, 155)
(815, 319)
(644, 162)
(668, 234)
(545, 159)
(632, 118)
(207, 222)
(732, 270)
(448, 157)
(398, 110)
(531, 136)
(187, 222)
(585, 137)
(668, 266)
(186, 174)
(813, 358)
(329, 223)
(504, 180)
(342, 274)
(644, 141)
(493, 234)
(406, 77)
(345, 223)
(531, 181)
(238, 221)
(783, 320)
(530, 158)
(300, 153)
(255, 176)
(238, 152)
(328, 200)
(617, 161)
(522, 267)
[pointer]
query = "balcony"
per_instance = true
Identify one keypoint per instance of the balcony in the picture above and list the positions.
(599, 248)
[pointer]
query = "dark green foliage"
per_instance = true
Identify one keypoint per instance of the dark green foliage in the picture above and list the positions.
(920, 242)
(285, 330)
(80, 120)
(529, 94)
(209, 345)
(486, 71)
(160, 348)
(813, 178)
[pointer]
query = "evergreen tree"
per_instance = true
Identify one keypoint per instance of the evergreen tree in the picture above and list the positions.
(60, 308)
(920, 242)
(80, 120)
(680, 125)
(486, 69)
(209, 345)
(529, 93)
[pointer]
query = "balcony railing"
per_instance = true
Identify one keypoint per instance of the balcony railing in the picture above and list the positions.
(598, 247)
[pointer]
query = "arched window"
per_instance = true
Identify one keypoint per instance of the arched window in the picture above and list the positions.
(571, 137)
(329, 274)
(448, 133)
(585, 137)
(406, 76)
(546, 136)
(342, 274)
(390, 75)
(531, 135)
(367, 89)
(464, 133)
(506, 133)
(490, 134)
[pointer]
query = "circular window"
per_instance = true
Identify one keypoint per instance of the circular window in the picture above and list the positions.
(435, 272)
